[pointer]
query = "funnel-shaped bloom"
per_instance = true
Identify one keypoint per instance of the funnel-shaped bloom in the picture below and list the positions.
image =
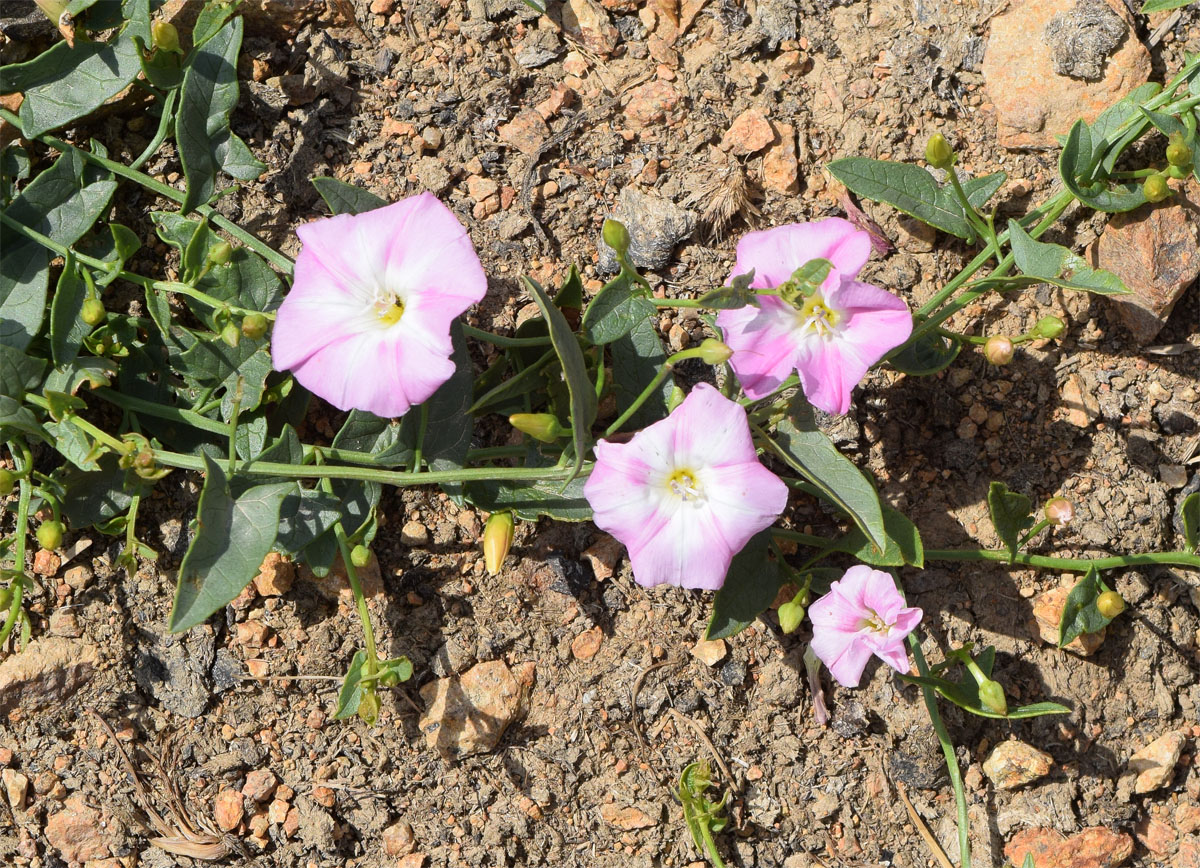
(366, 325)
(831, 337)
(863, 614)
(685, 494)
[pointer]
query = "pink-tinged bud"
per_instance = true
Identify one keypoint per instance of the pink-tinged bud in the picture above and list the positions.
(497, 539)
(991, 696)
(998, 350)
(1059, 511)
(616, 236)
(713, 352)
(1110, 604)
(540, 426)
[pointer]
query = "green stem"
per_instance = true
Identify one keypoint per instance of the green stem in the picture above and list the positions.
(710, 845)
(677, 302)
(164, 125)
(360, 598)
(498, 341)
(419, 448)
(23, 464)
(1033, 531)
(84, 425)
(985, 232)
(233, 421)
(641, 399)
(1075, 565)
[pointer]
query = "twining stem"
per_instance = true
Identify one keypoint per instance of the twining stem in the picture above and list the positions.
(710, 844)
(360, 598)
(23, 462)
(500, 341)
(678, 302)
(98, 434)
(1032, 532)
(422, 427)
(160, 135)
(1075, 565)
(641, 399)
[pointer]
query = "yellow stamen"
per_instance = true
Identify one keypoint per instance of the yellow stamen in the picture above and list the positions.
(682, 483)
(389, 314)
(816, 315)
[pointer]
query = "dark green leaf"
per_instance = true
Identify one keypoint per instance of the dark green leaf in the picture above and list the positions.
(903, 543)
(233, 535)
(15, 418)
(88, 371)
(925, 356)
(1011, 514)
(615, 311)
(343, 198)
(1080, 614)
(1050, 261)
(636, 360)
(529, 500)
(73, 445)
(212, 362)
(382, 438)
(95, 498)
(1165, 124)
(570, 294)
(753, 580)
(67, 328)
(208, 96)
(351, 693)
(209, 22)
(304, 516)
(1108, 125)
(579, 384)
(1189, 512)
(1076, 162)
(969, 701)
(1163, 5)
(449, 426)
(19, 372)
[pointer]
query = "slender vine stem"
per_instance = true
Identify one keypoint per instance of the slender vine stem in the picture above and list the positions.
(23, 460)
(160, 135)
(500, 341)
(1075, 565)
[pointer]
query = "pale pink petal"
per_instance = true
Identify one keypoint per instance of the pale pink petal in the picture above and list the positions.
(775, 254)
(835, 613)
(877, 591)
(711, 428)
(876, 321)
(845, 656)
(906, 620)
(688, 552)
(434, 256)
(354, 247)
(310, 319)
(828, 374)
(765, 342)
(619, 490)
(894, 654)
(748, 498)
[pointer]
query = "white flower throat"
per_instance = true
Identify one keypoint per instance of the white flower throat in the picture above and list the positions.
(817, 317)
(683, 484)
(387, 306)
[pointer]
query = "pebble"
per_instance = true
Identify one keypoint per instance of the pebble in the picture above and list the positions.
(1155, 835)
(46, 674)
(1094, 847)
(76, 833)
(603, 555)
(587, 21)
(653, 103)
(1033, 101)
(275, 575)
(260, 785)
(1047, 609)
(468, 714)
(750, 132)
(781, 169)
(78, 577)
(526, 131)
(16, 787)
(1154, 764)
(710, 652)
(398, 839)
(228, 809)
(627, 818)
(412, 860)
(586, 644)
(46, 562)
(1014, 764)
(1173, 475)
(414, 534)
(1080, 405)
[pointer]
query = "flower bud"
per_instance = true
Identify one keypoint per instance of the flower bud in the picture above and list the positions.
(165, 36)
(389, 678)
(144, 464)
(540, 426)
(1049, 327)
(1059, 511)
(998, 350)
(7, 480)
(1155, 188)
(92, 312)
(791, 614)
(50, 534)
(221, 254)
(991, 696)
(231, 334)
(254, 326)
(360, 556)
(616, 236)
(5, 599)
(713, 352)
(1178, 153)
(368, 707)
(675, 399)
(1110, 604)
(497, 539)
(938, 152)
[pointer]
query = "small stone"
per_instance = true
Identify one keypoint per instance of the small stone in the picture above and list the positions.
(1173, 475)
(1033, 101)
(468, 714)
(1155, 835)
(1187, 818)
(46, 674)
(1188, 855)
(825, 806)
(1155, 250)
(1014, 764)
(228, 809)
(252, 634)
(275, 576)
(656, 102)
(781, 170)
(278, 811)
(1047, 609)
(1154, 764)
(603, 555)
(414, 534)
(76, 832)
(480, 188)
(260, 784)
(16, 787)
(1080, 405)
(64, 622)
(655, 226)
(1094, 847)
(78, 577)
(291, 823)
(587, 21)
(412, 860)
(526, 132)
(382, 7)
(710, 652)
(398, 839)
(586, 644)
(749, 132)
(46, 563)
(324, 796)
(627, 818)
(432, 137)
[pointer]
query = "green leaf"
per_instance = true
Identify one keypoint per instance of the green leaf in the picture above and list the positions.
(1076, 162)
(17, 419)
(73, 445)
(233, 536)
(1164, 123)
(209, 22)
(753, 580)
(67, 329)
(382, 438)
(529, 500)
(343, 198)
(737, 294)
(912, 190)
(615, 311)
(63, 83)
(207, 98)
(449, 428)
(811, 453)
(1011, 513)
(304, 516)
(1189, 512)
(965, 692)
(1163, 5)
(1048, 261)
(579, 384)
(95, 498)
(351, 693)
(636, 359)
(212, 362)
(1113, 117)
(19, 372)
(1080, 614)
(570, 294)
(904, 545)
(113, 247)
(927, 355)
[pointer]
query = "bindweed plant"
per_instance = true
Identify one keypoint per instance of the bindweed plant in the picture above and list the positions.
(216, 368)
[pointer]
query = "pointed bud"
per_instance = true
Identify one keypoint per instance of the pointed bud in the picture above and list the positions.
(92, 312)
(231, 334)
(791, 614)
(497, 539)
(998, 350)
(1155, 188)
(1178, 153)
(8, 479)
(360, 556)
(1110, 604)
(165, 36)
(675, 399)
(221, 254)
(938, 152)
(616, 236)
(540, 426)
(254, 326)
(1059, 511)
(713, 352)
(1049, 327)
(368, 706)
(50, 534)
(991, 696)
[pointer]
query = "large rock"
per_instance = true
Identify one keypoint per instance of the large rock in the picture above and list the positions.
(468, 714)
(1034, 102)
(76, 832)
(1094, 847)
(46, 674)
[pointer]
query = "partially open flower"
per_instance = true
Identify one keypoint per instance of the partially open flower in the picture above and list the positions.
(863, 614)
(685, 494)
(999, 350)
(366, 325)
(830, 336)
(1059, 511)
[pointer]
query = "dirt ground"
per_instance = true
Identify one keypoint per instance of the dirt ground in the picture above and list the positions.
(530, 135)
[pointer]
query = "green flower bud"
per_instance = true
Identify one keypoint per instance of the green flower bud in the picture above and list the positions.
(221, 254)
(50, 534)
(998, 350)
(92, 312)
(165, 36)
(1110, 604)
(938, 152)
(360, 556)
(231, 334)
(368, 707)
(675, 399)
(497, 539)
(1059, 511)
(1049, 327)
(713, 352)
(540, 426)
(791, 614)
(254, 326)
(389, 678)
(991, 696)
(1155, 188)
(8, 479)
(1178, 153)
(616, 236)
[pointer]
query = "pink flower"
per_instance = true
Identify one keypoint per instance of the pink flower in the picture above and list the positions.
(832, 337)
(863, 614)
(366, 325)
(685, 494)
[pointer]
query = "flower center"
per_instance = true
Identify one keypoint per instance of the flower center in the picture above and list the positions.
(388, 307)
(682, 483)
(817, 317)
(875, 623)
